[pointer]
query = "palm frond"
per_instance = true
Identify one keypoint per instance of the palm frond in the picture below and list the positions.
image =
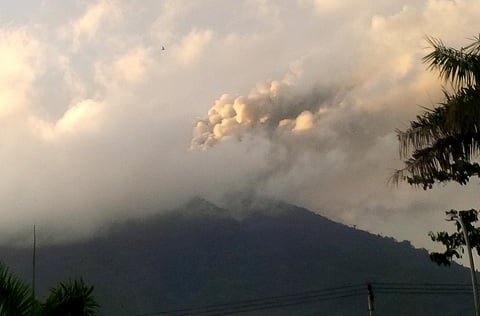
(461, 67)
(15, 295)
(72, 298)
(423, 132)
(442, 141)
(463, 111)
(447, 159)
(474, 47)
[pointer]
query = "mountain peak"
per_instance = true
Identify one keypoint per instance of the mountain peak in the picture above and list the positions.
(197, 255)
(198, 206)
(242, 208)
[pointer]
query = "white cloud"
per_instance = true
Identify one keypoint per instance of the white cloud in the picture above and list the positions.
(21, 58)
(95, 17)
(164, 28)
(193, 46)
(103, 130)
(82, 117)
(126, 70)
(132, 66)
(328, 6)
(304, 121)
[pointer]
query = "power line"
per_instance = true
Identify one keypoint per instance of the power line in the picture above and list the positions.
(271, 305)
(315, 296)
(267, 302)
(377, 284)
(423, 288)
(398, 285)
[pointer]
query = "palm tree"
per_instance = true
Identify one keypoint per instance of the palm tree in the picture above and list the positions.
(440, 144)
(73, 298)
(15, 295)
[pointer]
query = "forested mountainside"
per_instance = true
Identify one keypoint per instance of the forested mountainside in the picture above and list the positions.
(201, 254)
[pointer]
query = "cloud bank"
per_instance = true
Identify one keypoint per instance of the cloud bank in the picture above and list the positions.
(295, 100)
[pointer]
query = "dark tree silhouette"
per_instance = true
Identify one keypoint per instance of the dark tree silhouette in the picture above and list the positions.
(73, 298)
(441, 144)
(15, 295)
(455, 242)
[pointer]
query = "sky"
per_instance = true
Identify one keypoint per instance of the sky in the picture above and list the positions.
(115, 109)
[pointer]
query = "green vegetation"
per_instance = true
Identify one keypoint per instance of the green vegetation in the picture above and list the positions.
(198, 255)
(454, 242)
(441, 144)
(67, 299)
(15, 295)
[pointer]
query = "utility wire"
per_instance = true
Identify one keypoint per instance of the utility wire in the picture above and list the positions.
(270, 305)
(315, 296)
(420, 288)
(268, 302)
(423, 288)
(406, 284)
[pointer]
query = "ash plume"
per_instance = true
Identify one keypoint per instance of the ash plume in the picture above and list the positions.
(270, 108)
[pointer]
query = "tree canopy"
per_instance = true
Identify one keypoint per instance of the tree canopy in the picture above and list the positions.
(454, 242)
(73, 298)
(441, 144)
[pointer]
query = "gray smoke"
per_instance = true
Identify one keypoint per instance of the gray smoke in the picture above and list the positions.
(272, 109)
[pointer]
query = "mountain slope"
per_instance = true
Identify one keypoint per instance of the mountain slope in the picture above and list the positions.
(200, 255)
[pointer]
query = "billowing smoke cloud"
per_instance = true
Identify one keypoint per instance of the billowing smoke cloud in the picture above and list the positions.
(98, 102)
(270, 108)
(332, 147)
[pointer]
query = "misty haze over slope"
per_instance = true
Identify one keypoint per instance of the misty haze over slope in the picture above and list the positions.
(296, 100)
(202, 254)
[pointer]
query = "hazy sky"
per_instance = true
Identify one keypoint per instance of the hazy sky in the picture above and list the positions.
(294, 100)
